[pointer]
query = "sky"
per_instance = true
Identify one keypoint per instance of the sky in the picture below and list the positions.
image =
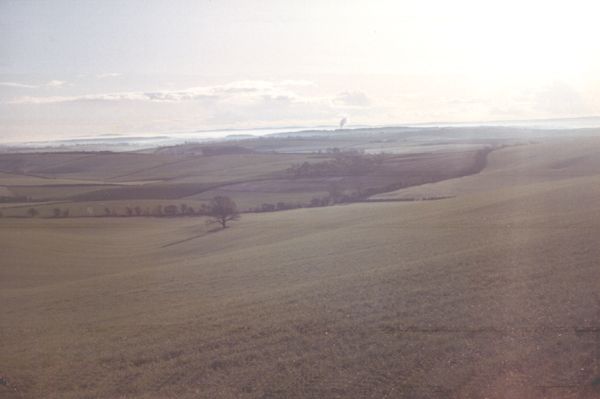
(84, 68)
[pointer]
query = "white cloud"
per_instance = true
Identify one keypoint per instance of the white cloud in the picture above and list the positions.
(108, 75)
(55, 83)
(240, 103)
(51, 84)
(243, 91)
(18, 85)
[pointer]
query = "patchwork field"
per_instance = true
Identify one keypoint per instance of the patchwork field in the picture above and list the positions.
(260, 173)
(492, 293)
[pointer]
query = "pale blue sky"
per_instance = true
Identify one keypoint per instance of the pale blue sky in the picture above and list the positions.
(79, 68)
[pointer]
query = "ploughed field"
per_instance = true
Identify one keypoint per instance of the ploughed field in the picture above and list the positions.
(260, 174)
(493, 293)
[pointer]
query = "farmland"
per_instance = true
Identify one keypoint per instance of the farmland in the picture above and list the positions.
(268, 171)
(492, 290)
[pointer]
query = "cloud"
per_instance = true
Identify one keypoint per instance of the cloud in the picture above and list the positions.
(237, 92)
(50, 84)
(352, 99)
(240, 103)
(108, 75)
(55, 83)
(18, 85)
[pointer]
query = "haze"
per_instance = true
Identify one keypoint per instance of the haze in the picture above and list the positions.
(286, 199)
(73, 69)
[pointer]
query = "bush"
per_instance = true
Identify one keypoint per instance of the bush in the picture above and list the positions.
(170, 210)
(267, 207)
(204, 209)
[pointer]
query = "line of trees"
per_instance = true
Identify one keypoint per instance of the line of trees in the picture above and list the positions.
(220, 209)
(14, 198)
(57, 213)
(343, 164)
(315, 202)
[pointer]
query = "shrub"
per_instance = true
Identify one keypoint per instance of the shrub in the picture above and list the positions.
(170, 210)
(267, 207)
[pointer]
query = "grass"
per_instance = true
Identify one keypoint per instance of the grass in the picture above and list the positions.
(491, 294)
(549, 161)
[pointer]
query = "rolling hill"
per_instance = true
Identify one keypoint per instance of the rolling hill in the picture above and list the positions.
(494, 293)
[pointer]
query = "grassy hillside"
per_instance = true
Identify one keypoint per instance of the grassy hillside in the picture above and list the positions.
(547, 160)
(495, 294)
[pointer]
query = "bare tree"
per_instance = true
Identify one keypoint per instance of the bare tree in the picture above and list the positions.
(222, 210)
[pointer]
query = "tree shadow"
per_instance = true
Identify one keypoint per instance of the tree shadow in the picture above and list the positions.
(211, 231)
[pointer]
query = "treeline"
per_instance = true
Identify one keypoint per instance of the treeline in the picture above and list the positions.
(14, 198)
(157, 211)
(212, 150)
(337, 195)
(127, 211)
(195, 149)
(280, 206)
(347, 163)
